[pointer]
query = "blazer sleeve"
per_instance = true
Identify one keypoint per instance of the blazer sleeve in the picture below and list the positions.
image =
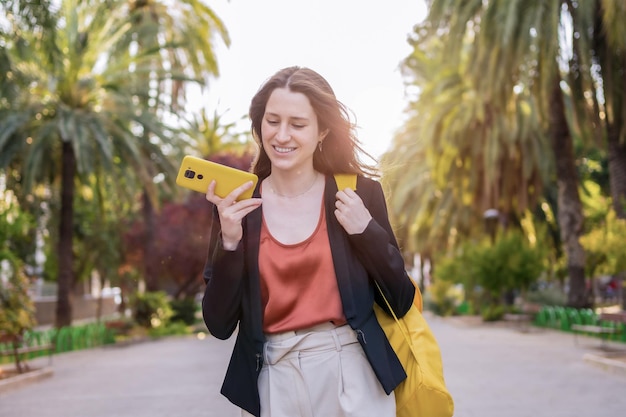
(223, 275)
(378, 250)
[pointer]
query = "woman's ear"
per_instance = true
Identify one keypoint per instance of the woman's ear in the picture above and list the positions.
(323, 134)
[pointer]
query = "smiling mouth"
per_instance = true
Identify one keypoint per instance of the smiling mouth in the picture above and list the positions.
(283, 150)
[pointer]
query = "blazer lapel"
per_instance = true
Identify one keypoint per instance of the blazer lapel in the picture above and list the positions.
(253, 237)
(339, 247)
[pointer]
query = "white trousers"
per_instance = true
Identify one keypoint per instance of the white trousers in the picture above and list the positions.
(320, 372)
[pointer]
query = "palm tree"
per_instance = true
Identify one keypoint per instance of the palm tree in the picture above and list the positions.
(210, 135)
(518, 45)
(76, 115)
(184, 31)
(460, 154)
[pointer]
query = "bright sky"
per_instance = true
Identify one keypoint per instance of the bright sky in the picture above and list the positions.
(356, 45)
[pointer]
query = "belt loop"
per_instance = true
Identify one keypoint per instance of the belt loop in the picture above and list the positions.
(336, 339)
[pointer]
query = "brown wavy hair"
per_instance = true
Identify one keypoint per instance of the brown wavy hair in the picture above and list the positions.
(340, 149)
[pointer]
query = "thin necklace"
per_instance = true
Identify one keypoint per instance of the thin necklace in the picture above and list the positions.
(291, 196)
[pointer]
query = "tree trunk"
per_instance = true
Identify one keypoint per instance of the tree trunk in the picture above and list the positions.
(66, 256)
(613, 72)
(617, 180)
(569, 211)
(617, 171)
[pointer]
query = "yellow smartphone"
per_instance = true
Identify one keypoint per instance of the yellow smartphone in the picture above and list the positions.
(197, 173)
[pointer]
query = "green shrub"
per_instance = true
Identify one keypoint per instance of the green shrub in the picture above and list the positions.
(152, 309)
(184, 310)
(17, 310)
(175, 328)
(604, 244)
(489, 271)
(492, 312)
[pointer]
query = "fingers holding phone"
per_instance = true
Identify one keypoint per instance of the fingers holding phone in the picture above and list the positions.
(232, 210)
(230, 189)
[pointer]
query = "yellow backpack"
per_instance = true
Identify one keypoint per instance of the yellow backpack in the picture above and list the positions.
(423, 393)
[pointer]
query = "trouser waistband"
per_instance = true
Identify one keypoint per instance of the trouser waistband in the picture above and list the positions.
(318, 338)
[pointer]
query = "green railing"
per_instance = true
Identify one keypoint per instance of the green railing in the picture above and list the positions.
(562, 318)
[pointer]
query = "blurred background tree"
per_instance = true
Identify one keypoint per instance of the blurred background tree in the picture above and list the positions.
(89, 116)
(508, 175)
(517, 107)
(17, 310)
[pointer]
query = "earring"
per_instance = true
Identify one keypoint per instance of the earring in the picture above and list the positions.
(319, 145)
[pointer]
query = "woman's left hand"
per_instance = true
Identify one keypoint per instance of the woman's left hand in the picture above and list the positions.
(351, 213)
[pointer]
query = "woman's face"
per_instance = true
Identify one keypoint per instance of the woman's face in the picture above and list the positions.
(289, 130)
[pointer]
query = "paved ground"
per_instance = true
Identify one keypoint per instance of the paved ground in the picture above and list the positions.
(492, 371)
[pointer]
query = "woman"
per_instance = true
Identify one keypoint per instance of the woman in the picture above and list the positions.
(294, 267)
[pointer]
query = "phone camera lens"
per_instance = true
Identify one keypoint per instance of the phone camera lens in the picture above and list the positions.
(200, 176)
(189, 173)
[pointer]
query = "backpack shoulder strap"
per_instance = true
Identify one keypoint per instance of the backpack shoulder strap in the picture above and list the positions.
(345, 181)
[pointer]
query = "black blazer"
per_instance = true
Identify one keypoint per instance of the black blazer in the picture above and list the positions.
(233, 298)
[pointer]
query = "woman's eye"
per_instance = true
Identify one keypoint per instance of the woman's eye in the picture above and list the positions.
(272, 122)
(298, 126)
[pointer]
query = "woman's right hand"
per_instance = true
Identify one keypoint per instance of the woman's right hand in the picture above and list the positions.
(232, 212)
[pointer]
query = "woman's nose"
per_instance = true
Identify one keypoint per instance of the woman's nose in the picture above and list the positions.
(283, 134)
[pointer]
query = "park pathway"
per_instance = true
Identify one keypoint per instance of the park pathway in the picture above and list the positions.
(491, 370)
